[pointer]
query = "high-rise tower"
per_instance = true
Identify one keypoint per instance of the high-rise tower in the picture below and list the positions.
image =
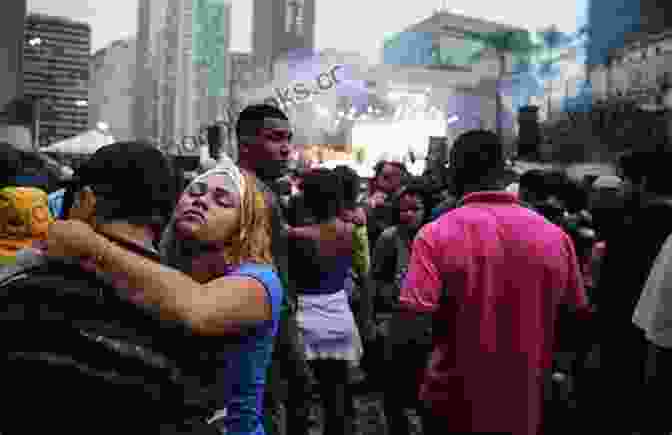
(281, 26)
(11, 50)
(170, 103)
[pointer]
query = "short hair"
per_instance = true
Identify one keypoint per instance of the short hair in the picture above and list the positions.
(481, 152)
(257, 112)
(133, 182)
(323, 193)
(351, 185)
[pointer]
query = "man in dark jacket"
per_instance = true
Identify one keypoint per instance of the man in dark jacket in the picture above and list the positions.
(127, 191)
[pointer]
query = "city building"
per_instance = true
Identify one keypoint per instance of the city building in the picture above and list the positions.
(630, 47)
(151, 18)
(212, 41)
(438, 53)
(56, 71)
(441, 41)
(246, 74)
(613, 24)
(409, 48)
(182, 55)
(11, 50)
(111, 93)
(282, 26)
(636, 70)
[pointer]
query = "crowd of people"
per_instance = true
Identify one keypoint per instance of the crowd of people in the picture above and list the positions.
(228, 302)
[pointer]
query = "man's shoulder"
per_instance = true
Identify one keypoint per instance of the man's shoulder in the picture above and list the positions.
(517, 218)
(54, 284)
(45, 271)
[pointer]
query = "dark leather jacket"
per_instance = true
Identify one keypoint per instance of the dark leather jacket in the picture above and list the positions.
(76, 356)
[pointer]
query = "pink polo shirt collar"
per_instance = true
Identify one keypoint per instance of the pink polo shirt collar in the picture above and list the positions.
(494, 196)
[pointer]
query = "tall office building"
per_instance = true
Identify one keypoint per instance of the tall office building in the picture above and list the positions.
(11, 50)
(281, 26)
(212, 41)
(56, 70)
(246, 74)
(170, 72)
(151, 18)
(111, 93)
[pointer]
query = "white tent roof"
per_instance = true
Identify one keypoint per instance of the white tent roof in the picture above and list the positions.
(85, 143)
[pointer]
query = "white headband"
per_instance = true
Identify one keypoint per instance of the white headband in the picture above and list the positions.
(228, 168)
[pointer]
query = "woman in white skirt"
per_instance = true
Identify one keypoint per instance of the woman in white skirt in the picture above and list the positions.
(320, 260)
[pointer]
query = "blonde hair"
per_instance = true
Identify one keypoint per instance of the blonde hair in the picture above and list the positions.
(252, 244)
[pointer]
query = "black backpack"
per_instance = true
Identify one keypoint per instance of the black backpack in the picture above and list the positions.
(77, 356)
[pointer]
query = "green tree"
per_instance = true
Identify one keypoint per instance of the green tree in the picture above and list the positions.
(519, 44)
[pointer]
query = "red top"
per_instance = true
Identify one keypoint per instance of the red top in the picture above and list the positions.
(504, 270)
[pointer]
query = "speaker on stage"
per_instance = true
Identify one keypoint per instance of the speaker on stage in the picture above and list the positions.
(529, 133)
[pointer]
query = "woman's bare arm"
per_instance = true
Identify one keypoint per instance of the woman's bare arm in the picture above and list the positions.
(218, 307)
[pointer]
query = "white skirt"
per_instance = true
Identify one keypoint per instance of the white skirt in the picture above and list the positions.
(328, 327)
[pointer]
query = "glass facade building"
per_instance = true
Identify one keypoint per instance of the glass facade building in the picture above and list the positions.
(57, 53)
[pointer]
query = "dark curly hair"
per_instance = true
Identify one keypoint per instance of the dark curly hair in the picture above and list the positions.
(323, 193)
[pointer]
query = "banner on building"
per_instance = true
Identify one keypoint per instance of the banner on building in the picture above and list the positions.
(210, 42)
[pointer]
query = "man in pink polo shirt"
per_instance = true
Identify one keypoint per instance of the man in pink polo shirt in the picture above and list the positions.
(494, 274)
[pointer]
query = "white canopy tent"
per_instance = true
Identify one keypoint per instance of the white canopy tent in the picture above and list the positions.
(85, 143)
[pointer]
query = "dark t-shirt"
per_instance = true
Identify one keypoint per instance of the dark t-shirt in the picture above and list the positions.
(632, 244)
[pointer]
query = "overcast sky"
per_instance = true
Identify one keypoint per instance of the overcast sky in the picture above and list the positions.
(351, 25)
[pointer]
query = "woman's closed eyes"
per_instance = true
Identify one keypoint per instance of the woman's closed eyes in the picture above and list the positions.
(221, 197)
